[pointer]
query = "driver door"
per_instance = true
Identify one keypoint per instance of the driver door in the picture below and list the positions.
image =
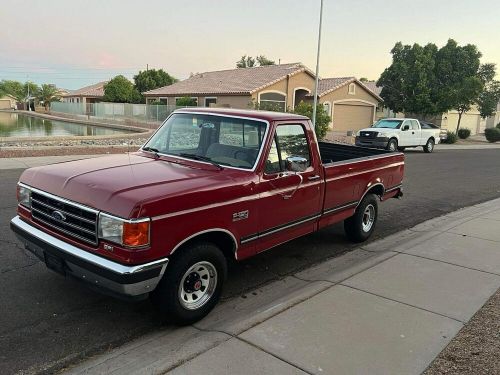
(405, 138)
(290, 202)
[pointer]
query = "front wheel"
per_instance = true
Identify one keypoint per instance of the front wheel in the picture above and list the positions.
(429, 146)
(192, 284)
(392, 145)
(361, 225)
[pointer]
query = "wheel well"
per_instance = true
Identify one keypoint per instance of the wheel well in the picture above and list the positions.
(377, 190)
(432, 137)
(224, 241)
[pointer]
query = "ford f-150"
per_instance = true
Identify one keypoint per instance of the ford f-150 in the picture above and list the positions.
(398, 133)
(208, 186)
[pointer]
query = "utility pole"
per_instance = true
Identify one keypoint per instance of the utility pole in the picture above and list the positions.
(317, 66)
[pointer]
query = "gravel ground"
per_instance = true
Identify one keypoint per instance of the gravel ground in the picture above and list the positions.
(476, 348)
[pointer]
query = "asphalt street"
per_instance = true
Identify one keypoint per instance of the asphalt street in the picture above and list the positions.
(47, 321)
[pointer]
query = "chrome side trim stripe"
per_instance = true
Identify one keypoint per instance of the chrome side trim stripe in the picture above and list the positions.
(393, 188)
(340, 208)
(279, 228)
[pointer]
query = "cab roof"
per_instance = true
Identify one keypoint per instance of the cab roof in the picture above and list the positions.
(258, 115)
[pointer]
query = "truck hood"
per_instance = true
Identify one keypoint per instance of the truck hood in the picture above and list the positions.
(126, 185)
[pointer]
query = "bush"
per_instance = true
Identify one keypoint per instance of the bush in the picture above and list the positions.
(463, 133)
(451, 137)
(492, 134)
(498, 125)
(322, 118)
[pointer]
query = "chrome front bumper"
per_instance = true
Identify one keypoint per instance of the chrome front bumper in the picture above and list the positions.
(101, 273)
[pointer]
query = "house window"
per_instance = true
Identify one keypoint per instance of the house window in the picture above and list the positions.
(352, 89)
(210, 101)
(273, 101)
(328, 108)
(186, 101)
(163, 100)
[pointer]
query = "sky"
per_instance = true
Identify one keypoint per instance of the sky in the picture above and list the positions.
(77, 43)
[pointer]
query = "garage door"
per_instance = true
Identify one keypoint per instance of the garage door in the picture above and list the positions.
(4, 104)
(351, 117)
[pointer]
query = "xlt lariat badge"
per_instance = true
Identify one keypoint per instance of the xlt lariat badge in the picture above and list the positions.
(237, 216)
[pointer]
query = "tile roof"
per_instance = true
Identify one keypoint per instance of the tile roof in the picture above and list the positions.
(327, 85)
(372, 85)
(233, 81)
(96, 90)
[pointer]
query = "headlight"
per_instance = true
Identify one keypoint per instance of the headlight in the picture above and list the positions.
(380, 135)
(131, 233)
(24, 196)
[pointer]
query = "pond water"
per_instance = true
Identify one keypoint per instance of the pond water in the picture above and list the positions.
(21, 125)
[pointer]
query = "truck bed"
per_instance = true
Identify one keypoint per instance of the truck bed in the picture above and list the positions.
(334, 152)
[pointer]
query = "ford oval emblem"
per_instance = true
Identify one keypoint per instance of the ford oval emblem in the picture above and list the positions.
(58, 215)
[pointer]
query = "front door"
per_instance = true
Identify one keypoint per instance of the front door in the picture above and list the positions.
(405, 136)
(290, 202)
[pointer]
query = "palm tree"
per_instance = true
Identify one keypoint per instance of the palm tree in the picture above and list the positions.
(47, 94)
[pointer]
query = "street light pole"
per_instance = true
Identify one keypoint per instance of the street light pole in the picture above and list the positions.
(317, 66)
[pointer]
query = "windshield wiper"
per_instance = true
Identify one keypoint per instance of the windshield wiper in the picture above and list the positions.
(200, 157)
(153, 150)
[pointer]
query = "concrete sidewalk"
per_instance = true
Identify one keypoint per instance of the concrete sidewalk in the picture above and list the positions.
(388, 307)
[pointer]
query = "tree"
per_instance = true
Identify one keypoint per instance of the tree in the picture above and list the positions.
(407, 85)
(490, 96)
(364, 79)
(249, 61)
(152, 79)
(245, 62)
(429, 81)
(47, 94)
(263, 60)
(322, 118)
(186, 101)
(121, 90)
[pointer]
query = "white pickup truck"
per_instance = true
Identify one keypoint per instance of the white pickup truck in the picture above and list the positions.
(398, 133)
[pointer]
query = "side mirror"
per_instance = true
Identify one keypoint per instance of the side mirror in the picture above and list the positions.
(406, 127)
(296, 164)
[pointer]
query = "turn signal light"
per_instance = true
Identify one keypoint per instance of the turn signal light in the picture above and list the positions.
(135, 234)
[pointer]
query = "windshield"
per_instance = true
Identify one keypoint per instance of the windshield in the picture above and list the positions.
(389, 124)
(227, 141)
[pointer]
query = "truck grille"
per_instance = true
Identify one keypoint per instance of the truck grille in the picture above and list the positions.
(368, 134)
(64, 216)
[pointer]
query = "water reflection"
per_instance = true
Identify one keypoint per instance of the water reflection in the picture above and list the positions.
(20, 125)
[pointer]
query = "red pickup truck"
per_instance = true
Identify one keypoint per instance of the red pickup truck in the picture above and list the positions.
(209, 185)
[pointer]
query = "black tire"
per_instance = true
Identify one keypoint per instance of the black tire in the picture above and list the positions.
(401, 149)
(429, 146)
(392, 145)
(167, 295)
(355, 228)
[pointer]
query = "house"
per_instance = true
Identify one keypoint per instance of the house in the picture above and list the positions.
(492, 121)
(282, 87)
(88, 94)
(350, 104)
(8, 102)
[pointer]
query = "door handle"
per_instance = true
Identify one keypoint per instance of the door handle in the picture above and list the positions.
(314, 178)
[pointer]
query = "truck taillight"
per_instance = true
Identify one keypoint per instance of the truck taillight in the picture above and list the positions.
(135, 234)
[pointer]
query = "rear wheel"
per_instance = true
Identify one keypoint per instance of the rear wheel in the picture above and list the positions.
(361, 225)
(192, 284)
(392, 145)
(429, 146)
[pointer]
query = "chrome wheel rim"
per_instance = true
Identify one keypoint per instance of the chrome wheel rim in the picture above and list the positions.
(368, 218)
(197, 285)
(392, 146)
(430, 145)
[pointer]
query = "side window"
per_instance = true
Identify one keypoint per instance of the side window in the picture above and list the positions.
(290, 140)
(414, 124)
(273, 160)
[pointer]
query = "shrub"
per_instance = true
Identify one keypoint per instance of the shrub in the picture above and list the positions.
(498, 125)
(322, 118)
(463, 133)
(451, 137)
(492, 134)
